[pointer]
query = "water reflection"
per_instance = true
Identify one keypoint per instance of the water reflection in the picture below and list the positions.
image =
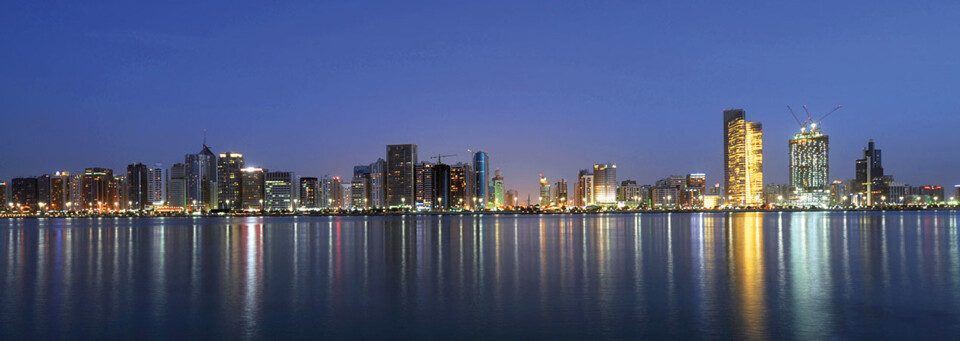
(745, 275)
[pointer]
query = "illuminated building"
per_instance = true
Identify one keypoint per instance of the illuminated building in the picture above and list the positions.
(360, 187)
(118, 191)
(693, 190)
(871, 186)
(401, 176)
(459, 185)
(331, 192)
(378, 178)
(560, 191)
(75, 197)
(156, 185)
(228, 180)
(201, 179)
(630, 193)
(544, 191)
(742, 159)
(956, 193)
(583, 195)
(177, 186)
(136, 186)
(309, 192)
(98, 189)
(43, 189)
(481, 165)
(497, 195)
(280, 190)
(424, 186)
(24, 194)
(3, 196)
(251, 189)
(665, 196)
(605, 184)
(776, 193)
(810, 167)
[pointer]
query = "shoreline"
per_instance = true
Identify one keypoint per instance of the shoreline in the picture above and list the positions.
(469, 213)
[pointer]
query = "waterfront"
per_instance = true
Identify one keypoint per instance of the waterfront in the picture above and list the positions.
(778, 275)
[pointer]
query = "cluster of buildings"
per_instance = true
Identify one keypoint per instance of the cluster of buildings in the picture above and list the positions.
(206, 182)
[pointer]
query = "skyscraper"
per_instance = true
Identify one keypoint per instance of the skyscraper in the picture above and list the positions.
(401, 177)
(177, 186)
(605, 184)
(201, 178)
(280, 190)
(742, 159)
(459, 195)
(441, 187)
(251, 189)
(156, 185)
(136, 186)
(331, 196)
(98, 189)
(693, 190)
(309, 193)
(560, 192)
(3, 196)
(544, 192)
(583, 196)
(360, 187)
(810, 167)
(424, 186)
(870, 184)
(498, 191)
(378, 178)
(481, 165)
(229, 178)
(24, 194)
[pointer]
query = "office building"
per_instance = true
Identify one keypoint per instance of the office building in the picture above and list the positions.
(252, 188)
(229, 178)
(497, 190)
(424, 186)
(401, 175)
(630, 193)
(345, 199)
(309, 193)
(481, 171)
(360, 187)
(810, 167)
(693, 190)
(742, 159)
(99, 189)
(280, 190)
(201, 179)
(177, 186)
(3, 197)
(24, 194)
(156, 185)
(331, 192)
(778, 194)
(135, 189)
(442, 200)
(583, 196)
(605, 184)
(560, 192)
(544, 192)
(511, 198)
(956, 193)
(870, 182)
(459, 185)
(665, 196)
(378, 178)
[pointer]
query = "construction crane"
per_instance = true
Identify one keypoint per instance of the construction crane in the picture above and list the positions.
(440, 157)
(810, 117)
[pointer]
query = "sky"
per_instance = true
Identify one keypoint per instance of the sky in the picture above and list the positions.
(545, 87)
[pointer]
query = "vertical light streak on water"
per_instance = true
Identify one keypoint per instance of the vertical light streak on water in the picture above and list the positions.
(480, 247)
(439, 278)
(543, 264)
(885, 257)
(329, 274)
(954, 258)
(497, 278)
(516, 256)
(638, 287)
(160, 272)
(847, 285)
(366, 255)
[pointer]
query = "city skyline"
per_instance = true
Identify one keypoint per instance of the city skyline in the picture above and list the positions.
(131, 83)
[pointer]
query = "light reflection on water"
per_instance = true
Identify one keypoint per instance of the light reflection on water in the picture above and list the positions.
(698, 275)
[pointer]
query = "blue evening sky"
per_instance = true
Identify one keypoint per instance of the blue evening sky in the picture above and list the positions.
(544, 87)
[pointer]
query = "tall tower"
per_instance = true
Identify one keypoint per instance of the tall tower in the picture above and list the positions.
(605, 184)
(583, 196)
(136, 191)
(742, 159)
(481, 164)
(156, 189)
(401, 177)
(229, 178)
(810, 167)
(870, 183)
(498, 190)
(201, 178)
(544, 192)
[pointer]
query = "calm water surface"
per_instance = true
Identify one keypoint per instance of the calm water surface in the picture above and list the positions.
(717, 276)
